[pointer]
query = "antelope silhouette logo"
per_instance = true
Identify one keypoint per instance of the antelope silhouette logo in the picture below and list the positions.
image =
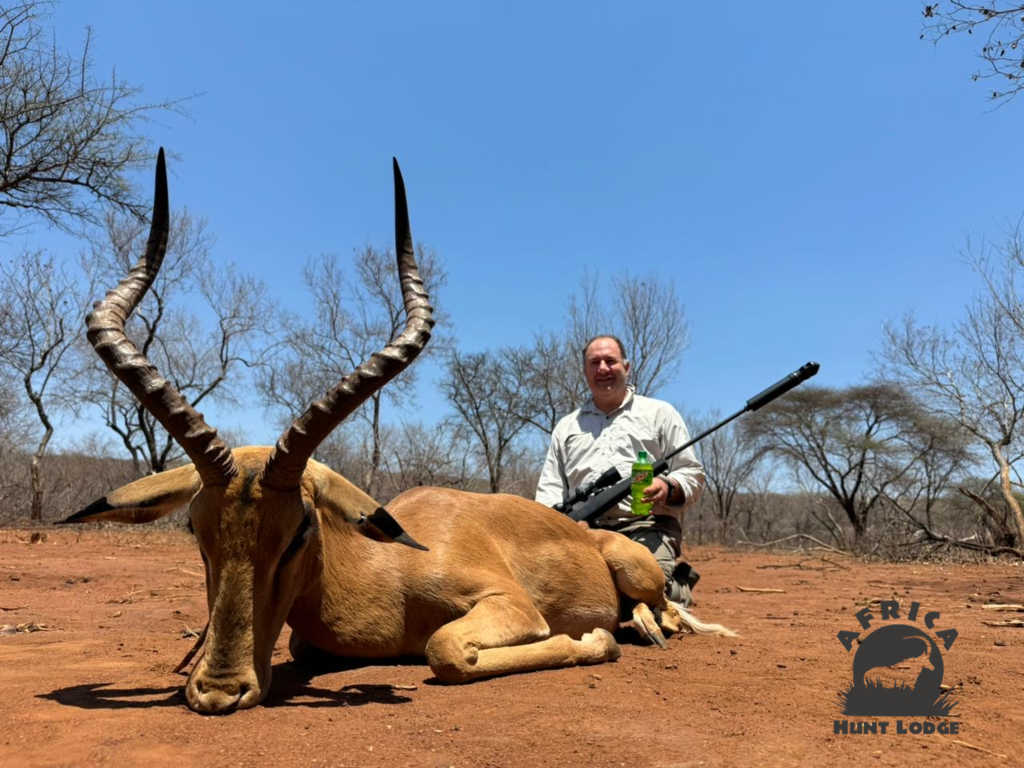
(897, 668)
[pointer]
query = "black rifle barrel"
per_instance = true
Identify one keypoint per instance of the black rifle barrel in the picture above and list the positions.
(600, 502)
(782, 386)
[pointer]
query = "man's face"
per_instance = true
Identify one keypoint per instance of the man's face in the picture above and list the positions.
(605, 369)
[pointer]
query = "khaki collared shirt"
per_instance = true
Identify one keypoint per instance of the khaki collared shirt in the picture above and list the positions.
(588, 441)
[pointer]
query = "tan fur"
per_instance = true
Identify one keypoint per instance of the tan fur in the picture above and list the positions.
(506, 586)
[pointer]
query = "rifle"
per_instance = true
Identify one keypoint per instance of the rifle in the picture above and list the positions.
(609, 476)
(587, 506)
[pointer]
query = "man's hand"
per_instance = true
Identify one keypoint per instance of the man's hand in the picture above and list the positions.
(656, 492)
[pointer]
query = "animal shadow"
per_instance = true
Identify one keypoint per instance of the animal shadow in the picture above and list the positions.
(291, 686)
(100, 696)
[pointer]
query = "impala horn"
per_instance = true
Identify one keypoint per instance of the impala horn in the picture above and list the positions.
(294, 448)
(105, 330)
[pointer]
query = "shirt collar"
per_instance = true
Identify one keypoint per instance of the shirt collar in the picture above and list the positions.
(591, 407)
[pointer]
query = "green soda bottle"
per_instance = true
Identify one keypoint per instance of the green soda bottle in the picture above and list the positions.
(642, 476)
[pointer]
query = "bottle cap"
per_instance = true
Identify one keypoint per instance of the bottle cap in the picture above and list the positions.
(642, 457)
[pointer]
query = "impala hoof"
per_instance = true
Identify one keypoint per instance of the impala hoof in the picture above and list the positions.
(645, 623)
(214, 696)
(603, 644)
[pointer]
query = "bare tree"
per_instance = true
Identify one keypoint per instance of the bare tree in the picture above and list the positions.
(45, 307)
(437, 455)
(485, 392)
(975, 520)
(758, 504)
(654, 330)
(941, 446)
(730, 459)
(195, 356)
(645, 313)
(550, 380)
(14, 426)
(15, 433)
(521, 468)
(1003, 46)
(850, 441)
(68, 140)
(353, 317)
(973, 376)
(1000, 264)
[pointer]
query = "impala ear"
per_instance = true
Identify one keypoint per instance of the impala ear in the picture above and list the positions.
(381, 526)
(144, 500)
(338, 496)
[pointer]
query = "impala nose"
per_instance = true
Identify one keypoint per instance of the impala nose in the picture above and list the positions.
(219, 694)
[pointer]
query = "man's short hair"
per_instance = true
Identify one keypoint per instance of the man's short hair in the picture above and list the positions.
(616, 339)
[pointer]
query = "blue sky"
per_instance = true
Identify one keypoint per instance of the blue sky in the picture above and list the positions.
(804, 172)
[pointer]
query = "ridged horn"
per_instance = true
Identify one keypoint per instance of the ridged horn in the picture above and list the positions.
(288, 460)
(105, 330)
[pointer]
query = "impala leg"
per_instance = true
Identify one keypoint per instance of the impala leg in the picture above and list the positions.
(503, 634)
(645, 623)
(638, 576)
(305, 654)
(636, 573)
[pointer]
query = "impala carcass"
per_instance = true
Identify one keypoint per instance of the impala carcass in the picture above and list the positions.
(498, 585)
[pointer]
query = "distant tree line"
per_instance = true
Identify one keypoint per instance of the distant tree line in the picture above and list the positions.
(923, 456)
(926, 456)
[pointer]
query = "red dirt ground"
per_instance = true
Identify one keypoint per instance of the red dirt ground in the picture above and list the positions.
(95, 687)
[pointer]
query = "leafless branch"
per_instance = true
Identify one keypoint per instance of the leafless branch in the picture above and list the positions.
(797, 536)
(196, 324)
(356, 311)
(1002, 49)
(68, 139)
(974, 374)
(44, 305)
